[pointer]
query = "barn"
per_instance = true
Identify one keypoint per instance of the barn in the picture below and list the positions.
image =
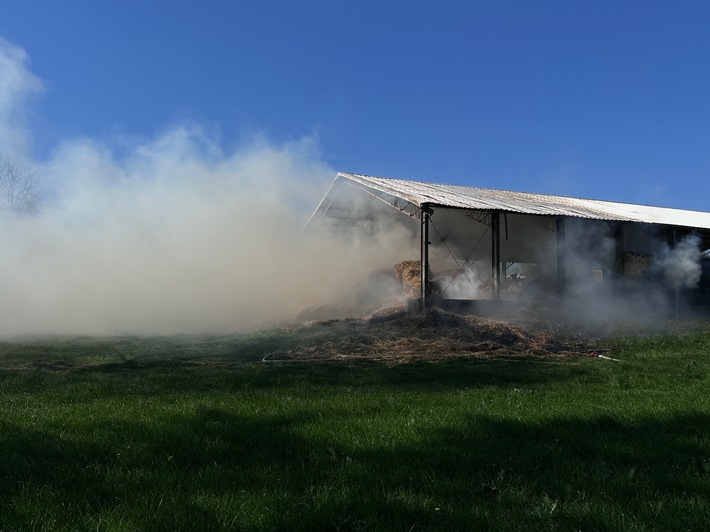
(486, 250)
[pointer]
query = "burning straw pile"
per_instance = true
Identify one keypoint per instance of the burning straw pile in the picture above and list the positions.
(396, 336)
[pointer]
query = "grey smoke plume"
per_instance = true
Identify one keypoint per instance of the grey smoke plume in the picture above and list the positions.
(177, 237)
(169, 234)
(680, 265)
(596, 292)
(465, 284)
(17, 87)
(175, 233)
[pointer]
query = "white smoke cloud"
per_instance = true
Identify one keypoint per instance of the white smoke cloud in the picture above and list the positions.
(596, 291)
(680, 265)
(464, 284)
(175, 234)
(17, 86)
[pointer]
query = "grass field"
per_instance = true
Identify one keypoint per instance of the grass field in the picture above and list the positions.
(198, 433)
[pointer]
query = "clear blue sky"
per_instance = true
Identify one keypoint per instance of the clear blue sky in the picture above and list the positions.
(609, 100)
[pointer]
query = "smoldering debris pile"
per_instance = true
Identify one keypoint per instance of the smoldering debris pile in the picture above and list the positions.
(395, 336)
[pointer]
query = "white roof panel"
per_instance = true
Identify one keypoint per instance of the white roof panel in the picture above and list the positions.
(461, 197)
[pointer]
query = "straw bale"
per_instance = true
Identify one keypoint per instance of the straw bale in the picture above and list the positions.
(408, 272)
(635, 265)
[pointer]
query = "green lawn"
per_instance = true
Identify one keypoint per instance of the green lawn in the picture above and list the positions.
(199, 434)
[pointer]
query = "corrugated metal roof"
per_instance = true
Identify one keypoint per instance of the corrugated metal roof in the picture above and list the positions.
(419, 193)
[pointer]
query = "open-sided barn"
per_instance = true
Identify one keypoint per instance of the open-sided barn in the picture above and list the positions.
(483, 246)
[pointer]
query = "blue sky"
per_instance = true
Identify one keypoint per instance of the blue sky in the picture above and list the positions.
(596, 99)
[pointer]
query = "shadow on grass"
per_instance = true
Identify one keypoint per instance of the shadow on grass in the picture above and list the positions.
(219, 470)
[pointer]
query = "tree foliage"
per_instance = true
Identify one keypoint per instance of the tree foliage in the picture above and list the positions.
(19, 188)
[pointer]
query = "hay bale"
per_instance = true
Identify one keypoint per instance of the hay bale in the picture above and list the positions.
(408, 272)
(636, 266)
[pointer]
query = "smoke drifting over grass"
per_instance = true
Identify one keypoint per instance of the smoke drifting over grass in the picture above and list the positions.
(170, 234)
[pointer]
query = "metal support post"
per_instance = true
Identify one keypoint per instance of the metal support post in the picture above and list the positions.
(618, 230)
(424, 263)
(676, 288)
(495, 254)
(561, 256)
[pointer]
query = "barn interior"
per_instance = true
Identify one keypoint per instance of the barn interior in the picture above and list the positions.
(494, 252)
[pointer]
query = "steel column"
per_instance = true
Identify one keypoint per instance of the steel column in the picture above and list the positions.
(424, 261)
(676, 288)
(561, 256)
(618, 230)
(495, 254)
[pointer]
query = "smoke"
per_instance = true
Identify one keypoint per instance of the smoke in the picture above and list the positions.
(17, 86)
(463, 284)
(170, 234)
(680, 265)
(597, 289)
(179, 234)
